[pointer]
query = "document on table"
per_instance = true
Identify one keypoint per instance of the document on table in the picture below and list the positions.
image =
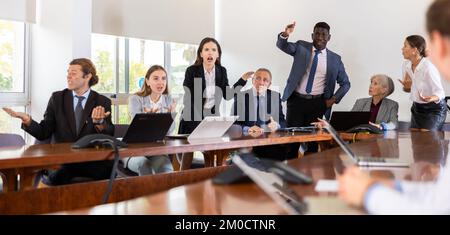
(326, 186)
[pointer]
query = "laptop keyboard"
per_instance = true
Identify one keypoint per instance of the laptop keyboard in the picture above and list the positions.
(372, 159)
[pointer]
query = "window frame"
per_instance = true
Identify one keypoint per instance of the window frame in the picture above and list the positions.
(22, 99)
(121, 98)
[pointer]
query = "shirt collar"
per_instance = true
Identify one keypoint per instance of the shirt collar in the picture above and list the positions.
(85, 95)
(213, 71)
(157, 102)
(376, 105)
(321, 52)
(420, 65)
(255, 93)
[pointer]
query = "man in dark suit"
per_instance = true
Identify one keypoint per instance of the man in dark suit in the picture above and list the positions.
(71, 114)
(259, 110)
(309, 91)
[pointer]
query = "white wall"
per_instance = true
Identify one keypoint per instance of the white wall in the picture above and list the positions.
(60, 34)
(184, 21)
(367, 34)
(19, 10)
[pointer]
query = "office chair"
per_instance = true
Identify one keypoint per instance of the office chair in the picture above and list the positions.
(446, 126)
(11, 140)
(122, 171)
(446, 102)
(7, 140)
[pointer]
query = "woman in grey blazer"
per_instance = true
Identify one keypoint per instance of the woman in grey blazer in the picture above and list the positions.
(384, 112)
(153, 98)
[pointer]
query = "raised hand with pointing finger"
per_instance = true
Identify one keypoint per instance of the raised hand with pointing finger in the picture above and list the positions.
(288, 30)
(247, 75)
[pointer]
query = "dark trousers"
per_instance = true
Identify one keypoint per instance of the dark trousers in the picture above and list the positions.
(301, 112)
(97, 170)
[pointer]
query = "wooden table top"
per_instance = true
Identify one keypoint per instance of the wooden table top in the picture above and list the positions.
(54, 154)
(426, 151)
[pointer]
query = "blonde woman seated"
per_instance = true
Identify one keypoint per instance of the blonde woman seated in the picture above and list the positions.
(383, 111)
(153, 98)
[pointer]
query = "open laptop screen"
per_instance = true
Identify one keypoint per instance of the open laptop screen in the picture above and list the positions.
(340, 141)
(148, 127)
(212, 127)
(343, 121)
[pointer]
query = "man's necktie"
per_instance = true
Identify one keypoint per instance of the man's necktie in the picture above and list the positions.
(312, 72)
(79, 113)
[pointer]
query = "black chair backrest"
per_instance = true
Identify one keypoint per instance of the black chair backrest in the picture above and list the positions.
(446, 102)
(120, 130)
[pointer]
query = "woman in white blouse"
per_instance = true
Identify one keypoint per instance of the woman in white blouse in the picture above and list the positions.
(422, 79)
(405, 197)
(153, 98)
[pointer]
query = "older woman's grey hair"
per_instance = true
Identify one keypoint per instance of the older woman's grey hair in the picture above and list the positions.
(386, 82)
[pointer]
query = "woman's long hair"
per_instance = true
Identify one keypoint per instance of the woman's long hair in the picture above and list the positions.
(199, 59)
(145, 89)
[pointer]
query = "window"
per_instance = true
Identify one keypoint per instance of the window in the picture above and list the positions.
(12, 56)
(9, 124)
(13, 73)
(122, 63)
(104, 56)
(143, 54)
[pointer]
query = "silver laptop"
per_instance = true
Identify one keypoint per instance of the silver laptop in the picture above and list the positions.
(364, 161)
(212, 127)
(271, 184)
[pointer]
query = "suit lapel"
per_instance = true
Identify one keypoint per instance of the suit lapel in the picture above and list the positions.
(218, 73)
(201, 72)
(329, 68)
(68, 108)
(382, 111)
(202, 75)
(366, 105)
(308, 55)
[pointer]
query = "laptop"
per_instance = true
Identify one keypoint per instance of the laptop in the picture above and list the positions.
(305, 129)
(212, 127)
(342, 121)
(148, 127)
(364, 161)
(271, 184)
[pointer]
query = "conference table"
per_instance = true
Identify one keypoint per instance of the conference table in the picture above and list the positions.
(426, 151)
(26, 161)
